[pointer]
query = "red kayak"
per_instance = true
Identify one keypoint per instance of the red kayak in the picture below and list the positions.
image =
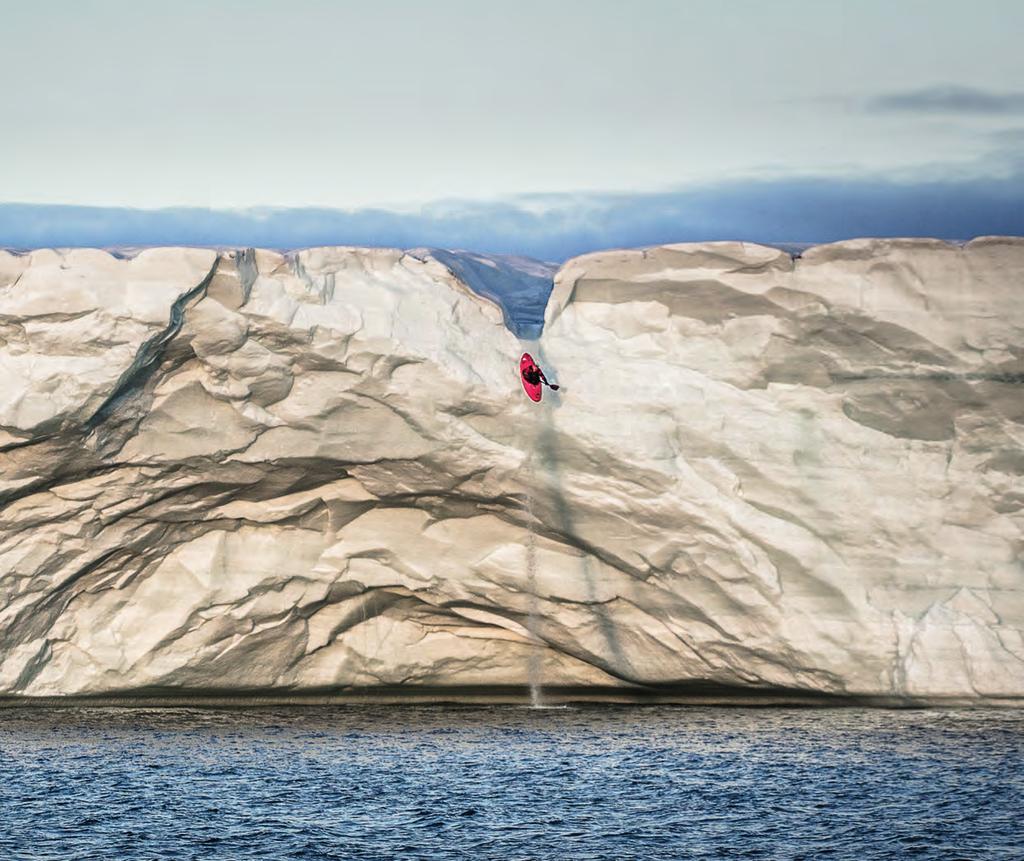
(527, 371)
(533, 378)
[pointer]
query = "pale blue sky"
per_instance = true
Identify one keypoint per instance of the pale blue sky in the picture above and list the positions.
(387, 103)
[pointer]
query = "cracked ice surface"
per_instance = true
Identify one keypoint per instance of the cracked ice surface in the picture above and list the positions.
(255, 472)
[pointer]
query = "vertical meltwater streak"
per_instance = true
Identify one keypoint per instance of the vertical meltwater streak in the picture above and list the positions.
(535, 666)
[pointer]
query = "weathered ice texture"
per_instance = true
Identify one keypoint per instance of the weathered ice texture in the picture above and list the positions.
(236, 473)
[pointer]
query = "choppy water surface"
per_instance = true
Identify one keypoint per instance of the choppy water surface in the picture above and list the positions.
(510, 783)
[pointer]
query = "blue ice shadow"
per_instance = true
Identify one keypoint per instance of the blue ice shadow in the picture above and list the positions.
(520, 286)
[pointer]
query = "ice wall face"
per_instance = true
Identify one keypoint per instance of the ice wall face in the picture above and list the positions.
(251, 472)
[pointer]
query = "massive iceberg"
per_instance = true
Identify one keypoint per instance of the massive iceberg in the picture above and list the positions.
(315, 474)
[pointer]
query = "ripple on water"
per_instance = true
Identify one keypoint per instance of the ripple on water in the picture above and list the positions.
(505, 783)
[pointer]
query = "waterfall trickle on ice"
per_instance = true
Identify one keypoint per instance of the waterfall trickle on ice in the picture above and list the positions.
(534, 668)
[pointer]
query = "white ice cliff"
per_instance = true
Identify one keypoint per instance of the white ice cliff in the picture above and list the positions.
(317, 474)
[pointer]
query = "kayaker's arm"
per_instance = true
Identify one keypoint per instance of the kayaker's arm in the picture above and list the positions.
(544, 379)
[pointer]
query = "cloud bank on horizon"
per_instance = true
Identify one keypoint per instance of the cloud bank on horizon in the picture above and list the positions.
(555, 227)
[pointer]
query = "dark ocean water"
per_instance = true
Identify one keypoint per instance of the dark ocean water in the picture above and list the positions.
(510, 783)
